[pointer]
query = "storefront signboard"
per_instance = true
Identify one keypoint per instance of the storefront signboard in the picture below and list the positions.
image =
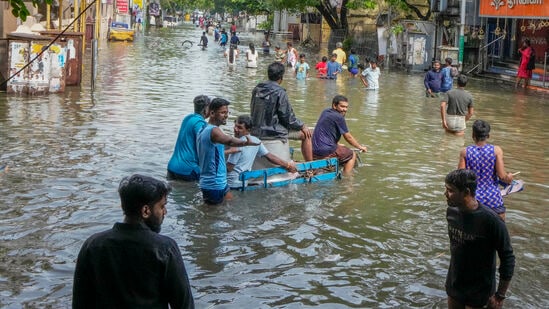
(515, 8)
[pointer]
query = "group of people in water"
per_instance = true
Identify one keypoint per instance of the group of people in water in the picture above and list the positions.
(326, 68)
(476, 211)
(330, 67)
(456, 108)
(200, 153)
(230, 44)
(106, 270)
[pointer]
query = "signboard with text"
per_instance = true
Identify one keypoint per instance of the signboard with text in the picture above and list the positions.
(515, 8)
(122, 6)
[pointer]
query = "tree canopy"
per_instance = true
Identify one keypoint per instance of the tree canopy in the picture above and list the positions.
(413, 6)
(335, 15)
(18, 8)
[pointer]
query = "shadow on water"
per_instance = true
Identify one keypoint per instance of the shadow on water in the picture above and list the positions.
(377, 239)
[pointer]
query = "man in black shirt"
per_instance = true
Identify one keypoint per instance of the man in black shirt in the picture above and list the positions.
(476, 234)
(131, 265)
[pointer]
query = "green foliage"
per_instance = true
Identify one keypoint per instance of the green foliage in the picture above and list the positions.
(18, 8)
(417, 8)
(188, 5)
(251, 7)
(397, 29)
(399, 4)
(348, 43)
(268, 24)
(361, 4)
(293, 6)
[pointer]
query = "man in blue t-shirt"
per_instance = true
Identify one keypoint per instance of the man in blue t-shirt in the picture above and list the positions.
(241, 160)
(448, 74)
(224, 38)
(211, 154)
(329, 128)
(333, 67)
(183, 164)
(235, 40)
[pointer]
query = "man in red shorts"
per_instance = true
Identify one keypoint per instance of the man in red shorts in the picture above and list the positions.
(328, 131)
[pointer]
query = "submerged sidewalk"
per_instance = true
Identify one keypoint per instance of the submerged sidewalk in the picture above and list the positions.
(508, 74)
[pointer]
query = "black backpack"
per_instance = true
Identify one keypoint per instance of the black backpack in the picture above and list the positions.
(532, 61)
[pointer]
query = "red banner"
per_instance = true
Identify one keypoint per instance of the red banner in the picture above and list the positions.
(122, 6)
(514, 8)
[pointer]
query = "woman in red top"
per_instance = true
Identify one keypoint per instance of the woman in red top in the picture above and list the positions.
(526, 52)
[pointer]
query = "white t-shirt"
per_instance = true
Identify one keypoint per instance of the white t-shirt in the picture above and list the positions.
(251, 59)
(244, 160)
(291, 58)
(228, 58)
(372, 77)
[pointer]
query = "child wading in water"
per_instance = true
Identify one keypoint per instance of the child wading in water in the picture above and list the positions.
(280, 55)
(302, 68)
(334, 68)
(321, 67)
(353, 63)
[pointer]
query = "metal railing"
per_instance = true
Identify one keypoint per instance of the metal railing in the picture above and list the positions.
(545, 68)
(482, 56)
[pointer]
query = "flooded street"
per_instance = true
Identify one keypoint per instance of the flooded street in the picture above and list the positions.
(375, 240)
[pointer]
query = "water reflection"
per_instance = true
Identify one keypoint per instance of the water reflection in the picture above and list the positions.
(377, 239)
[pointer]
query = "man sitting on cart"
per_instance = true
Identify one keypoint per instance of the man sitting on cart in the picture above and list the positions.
(330, 127)
(242, 159)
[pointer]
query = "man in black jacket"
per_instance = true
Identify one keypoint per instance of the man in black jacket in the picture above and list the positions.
(272, 115)
(476, 234)
(132, 265)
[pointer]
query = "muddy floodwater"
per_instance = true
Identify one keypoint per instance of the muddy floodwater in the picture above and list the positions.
(375, 240)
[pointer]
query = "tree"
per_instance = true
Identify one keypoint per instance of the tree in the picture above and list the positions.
(18, 8)
(251, 7)
(336, 17)
(338, 20)
(334, 14)
(407, 5)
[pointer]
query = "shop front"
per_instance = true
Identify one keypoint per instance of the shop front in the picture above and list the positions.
(506, 24)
